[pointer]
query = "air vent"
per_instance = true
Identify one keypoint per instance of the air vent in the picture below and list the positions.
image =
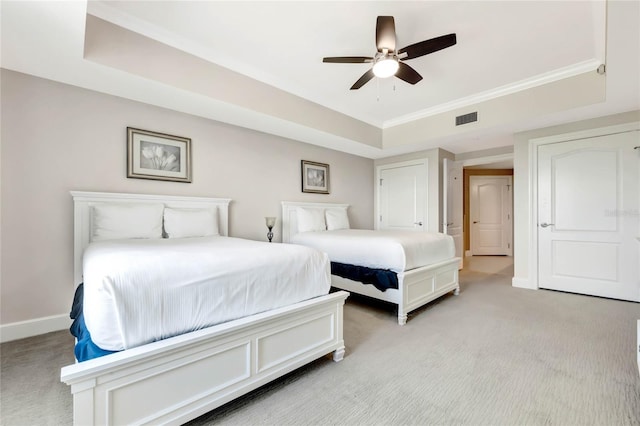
(467, 118)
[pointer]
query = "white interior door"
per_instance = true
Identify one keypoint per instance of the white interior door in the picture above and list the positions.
(402, 196)
(490, 205)
(588, 216)
(452, 208)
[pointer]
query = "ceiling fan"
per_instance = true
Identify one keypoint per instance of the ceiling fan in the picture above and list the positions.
(388, 61)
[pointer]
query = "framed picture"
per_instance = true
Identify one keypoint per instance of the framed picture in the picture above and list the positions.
(315, 177)
(152, 155)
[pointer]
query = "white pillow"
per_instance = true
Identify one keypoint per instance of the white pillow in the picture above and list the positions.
(337, 219)
(184, 223)
(310, 220)
(119, 221)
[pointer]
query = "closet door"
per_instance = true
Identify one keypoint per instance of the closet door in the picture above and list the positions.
(402, 196)
(588, 193)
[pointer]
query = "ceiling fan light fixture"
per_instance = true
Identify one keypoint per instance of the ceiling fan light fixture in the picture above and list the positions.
(385, 67)
(389, 61)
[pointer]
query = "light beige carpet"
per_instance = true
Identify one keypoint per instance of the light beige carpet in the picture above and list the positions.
(494, 355)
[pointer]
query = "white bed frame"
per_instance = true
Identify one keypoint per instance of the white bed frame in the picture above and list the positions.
(175, 380)
(416, 287)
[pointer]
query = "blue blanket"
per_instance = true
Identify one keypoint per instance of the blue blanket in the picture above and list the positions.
(382, 279)
(85, 348)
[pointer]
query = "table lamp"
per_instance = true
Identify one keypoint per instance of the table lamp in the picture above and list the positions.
(271, 222)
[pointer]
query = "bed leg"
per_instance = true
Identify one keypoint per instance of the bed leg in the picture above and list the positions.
(402, 318)
(456, 291)
(338, 354)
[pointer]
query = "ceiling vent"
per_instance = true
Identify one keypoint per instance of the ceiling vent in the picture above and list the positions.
(467, 118)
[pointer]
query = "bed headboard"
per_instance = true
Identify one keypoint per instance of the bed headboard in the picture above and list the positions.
(289, 219)
(82, 217)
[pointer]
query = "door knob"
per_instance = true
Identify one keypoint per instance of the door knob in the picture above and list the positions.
(417, 223)
(475, 221)
(544, 225)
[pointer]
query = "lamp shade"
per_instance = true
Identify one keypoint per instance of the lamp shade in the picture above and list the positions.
(270, 221)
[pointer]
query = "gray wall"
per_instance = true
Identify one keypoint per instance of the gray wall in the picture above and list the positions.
(57, 138)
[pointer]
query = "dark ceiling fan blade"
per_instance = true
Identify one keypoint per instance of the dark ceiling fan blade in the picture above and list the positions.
(386, 33)
(363, 80)
(348, 59)
(428, 46)
(408, 74)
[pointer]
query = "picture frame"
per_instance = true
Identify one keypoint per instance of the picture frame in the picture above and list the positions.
(158, 156)
(315, 177)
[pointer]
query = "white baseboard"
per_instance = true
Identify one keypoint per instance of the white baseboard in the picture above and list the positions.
(523, 283)
(22, 329)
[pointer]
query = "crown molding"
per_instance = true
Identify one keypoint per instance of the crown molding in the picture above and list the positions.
(539, 80)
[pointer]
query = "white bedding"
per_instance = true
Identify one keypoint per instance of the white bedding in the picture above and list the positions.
(395, 250)
(140, 291)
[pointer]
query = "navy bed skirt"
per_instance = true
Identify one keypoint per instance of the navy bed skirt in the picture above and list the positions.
(382, 279)
(85, 348)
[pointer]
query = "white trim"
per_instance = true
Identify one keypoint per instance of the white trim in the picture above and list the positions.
(444, 188)
(533, 181)
(486, 160)
(533, 216)
(539, 80)
(590, 133)
(33, 327)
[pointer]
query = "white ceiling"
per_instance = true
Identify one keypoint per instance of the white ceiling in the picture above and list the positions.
(503, 47)
(283, 44)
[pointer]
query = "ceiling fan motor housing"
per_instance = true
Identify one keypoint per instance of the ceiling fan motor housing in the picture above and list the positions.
(385, 64)
(386, 61)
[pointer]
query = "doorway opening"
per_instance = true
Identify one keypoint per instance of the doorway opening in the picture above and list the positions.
(488, 209)
(493, 265)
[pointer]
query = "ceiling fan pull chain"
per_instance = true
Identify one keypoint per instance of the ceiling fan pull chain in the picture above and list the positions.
(377, 89)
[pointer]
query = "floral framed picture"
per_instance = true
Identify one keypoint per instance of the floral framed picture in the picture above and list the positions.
(315, 177)
(152, 155)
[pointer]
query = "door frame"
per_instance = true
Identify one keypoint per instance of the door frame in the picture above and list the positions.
(533, 183)
(381, 167)
(466, 174)
(447, 195)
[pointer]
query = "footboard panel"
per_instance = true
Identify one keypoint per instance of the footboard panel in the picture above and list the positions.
(425, 284)
(417, 287)
(200, 374)
(178, 379)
